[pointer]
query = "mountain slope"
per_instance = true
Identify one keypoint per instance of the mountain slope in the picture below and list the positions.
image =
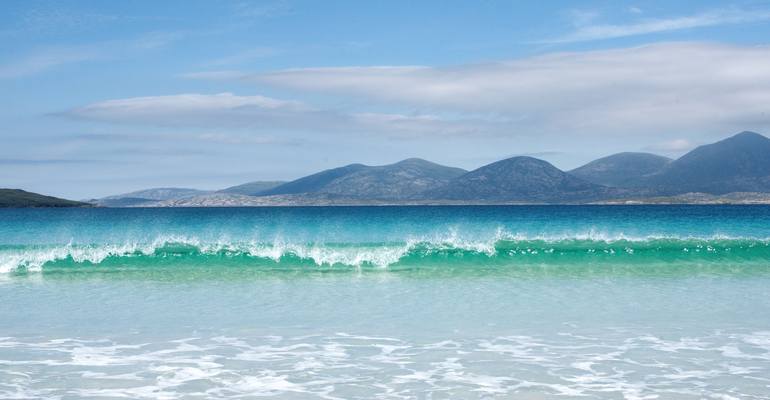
(255, 188)
(622, 169)
(146, 197)
(123, 202)
(314, 182)
(740, 163)
(519, 179)
(158, 194)
(402, 180)
(21, 198)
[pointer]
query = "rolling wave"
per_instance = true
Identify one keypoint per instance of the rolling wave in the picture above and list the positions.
(502, 250)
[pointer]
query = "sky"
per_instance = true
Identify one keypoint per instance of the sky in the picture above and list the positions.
(101, 98)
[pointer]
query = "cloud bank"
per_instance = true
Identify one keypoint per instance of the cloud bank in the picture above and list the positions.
(662, 91)
(662, 87)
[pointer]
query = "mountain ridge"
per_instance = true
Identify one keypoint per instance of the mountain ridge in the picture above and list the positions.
(519, 178)
(254, 188)
(401, 180)
(626, 169)
(738, 164)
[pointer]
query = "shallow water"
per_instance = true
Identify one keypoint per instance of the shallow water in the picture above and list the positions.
(663, 302)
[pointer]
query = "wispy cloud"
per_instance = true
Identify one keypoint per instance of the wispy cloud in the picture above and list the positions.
(588, 32)
(582, 17)
(260, 114)
(158, 39)
(156, 137)
(41, 20)
(43, 60)
(175, 109)
(245, 56)
(57, 18)
(238, 139)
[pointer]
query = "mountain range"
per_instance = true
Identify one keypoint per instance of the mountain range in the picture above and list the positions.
(726, 171)
(407, 179)
(740, 163)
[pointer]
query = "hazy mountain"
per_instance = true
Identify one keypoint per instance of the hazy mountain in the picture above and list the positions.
(146, 197)
(255, 188)
(21, 198)
(402, 180)
(523, 179)
(740, 163)
(158, 194)
(622, 169)
(123, 202)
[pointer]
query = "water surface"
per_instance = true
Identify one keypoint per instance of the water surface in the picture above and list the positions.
(531, 302)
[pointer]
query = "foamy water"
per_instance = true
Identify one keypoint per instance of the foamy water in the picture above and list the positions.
(622, 364)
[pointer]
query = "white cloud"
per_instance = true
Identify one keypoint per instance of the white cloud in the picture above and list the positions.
(259, 114)
(182, 109)
(643, 94)
(657, 88)
(586, 32)
(168, 105)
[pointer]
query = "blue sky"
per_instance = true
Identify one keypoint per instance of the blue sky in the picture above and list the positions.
(107, 97)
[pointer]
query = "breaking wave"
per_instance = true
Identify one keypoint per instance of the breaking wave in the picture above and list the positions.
(501, 250)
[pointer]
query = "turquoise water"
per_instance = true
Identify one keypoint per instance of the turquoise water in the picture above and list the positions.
(525, 302)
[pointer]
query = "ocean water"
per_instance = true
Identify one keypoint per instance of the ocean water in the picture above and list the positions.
(519, 302)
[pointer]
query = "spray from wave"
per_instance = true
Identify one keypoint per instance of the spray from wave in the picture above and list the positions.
(502, 249)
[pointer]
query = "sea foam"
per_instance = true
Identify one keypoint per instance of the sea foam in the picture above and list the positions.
(414, 250)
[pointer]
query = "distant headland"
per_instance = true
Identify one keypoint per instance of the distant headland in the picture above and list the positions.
(20, 198)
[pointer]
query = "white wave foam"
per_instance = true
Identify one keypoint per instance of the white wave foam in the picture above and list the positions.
(33, 259)
(622, 365)
(326, 254)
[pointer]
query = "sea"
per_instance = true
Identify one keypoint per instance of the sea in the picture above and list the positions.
(425, 302)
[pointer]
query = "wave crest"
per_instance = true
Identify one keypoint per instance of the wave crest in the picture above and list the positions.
(503, 248)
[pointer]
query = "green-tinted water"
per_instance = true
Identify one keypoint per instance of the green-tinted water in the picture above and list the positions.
(405, 302)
